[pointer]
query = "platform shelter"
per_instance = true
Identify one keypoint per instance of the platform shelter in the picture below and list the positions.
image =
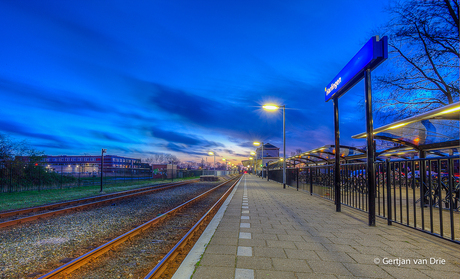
(416, 172)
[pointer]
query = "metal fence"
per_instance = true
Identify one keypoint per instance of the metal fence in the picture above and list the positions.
(16, 177)
(419, 193)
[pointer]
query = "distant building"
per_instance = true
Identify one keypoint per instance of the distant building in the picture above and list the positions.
(271, 154)
(90, 164)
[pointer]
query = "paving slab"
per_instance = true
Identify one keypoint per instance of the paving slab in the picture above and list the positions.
(218, 260)
(241, 273)
(284, 233)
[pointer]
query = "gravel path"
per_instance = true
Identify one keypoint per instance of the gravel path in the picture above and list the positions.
(35, 248)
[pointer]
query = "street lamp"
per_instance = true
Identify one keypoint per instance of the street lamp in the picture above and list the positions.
(253, 163)
(226, 164)
(256, 143)
(271, 107)
(212, 153)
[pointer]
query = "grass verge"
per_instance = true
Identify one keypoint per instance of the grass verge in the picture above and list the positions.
(17, 200)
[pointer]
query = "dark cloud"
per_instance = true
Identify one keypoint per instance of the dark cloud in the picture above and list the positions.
(243, 121)
(247, 144)
(52, 99)
(217, 115)
(181, 138)
(113, 137)
(16, 128)
(241, 155)
(56, 146)
(175, 137)
(184, 149)
(102, 73)
(75, 103)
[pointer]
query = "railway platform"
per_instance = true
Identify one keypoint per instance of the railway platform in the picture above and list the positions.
(265, 231)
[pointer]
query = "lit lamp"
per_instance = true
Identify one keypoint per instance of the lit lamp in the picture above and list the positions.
(212, 153)
(271, 107)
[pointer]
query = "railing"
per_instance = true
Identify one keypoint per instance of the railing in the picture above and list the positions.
(419, 193)
(353, 183)
(16, 177)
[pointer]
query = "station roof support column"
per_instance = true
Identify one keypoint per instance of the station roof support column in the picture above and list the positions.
(338, 205)
(370, 147)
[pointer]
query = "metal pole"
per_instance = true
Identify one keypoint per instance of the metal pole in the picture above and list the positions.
(284, 147)
(370, 147)
(338, 205)
(102, 166)
(388, 184)
(39, 177)
(262, 160)
(268, 173)
(297, 178)
(423, 200)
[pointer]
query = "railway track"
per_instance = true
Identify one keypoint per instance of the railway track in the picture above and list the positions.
(44, 211)
(134, 244)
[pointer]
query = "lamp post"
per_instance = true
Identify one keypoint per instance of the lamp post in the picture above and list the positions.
(102, 164)
(256, 143)
(226, 164)
(202, 166)
(273, 108)
(212, 153)
(253, 163)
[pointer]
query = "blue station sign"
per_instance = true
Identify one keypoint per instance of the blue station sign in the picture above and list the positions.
(373, 53)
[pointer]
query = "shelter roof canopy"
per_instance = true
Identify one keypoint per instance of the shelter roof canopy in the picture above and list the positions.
(430, 130)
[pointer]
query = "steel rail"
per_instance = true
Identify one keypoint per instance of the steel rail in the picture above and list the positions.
(4, 214)
(158, 270)
(91, 204)
(66, 269)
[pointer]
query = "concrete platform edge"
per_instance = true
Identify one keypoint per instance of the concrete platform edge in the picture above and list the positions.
(186, 269)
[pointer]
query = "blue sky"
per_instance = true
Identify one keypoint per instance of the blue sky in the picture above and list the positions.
(179, 77)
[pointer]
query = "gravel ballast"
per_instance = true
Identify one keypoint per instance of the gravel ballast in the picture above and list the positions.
(32, 249)
(136, 257)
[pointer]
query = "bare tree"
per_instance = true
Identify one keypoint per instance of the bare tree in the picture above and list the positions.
(162, 158)
(423, 71)
(9, 148)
